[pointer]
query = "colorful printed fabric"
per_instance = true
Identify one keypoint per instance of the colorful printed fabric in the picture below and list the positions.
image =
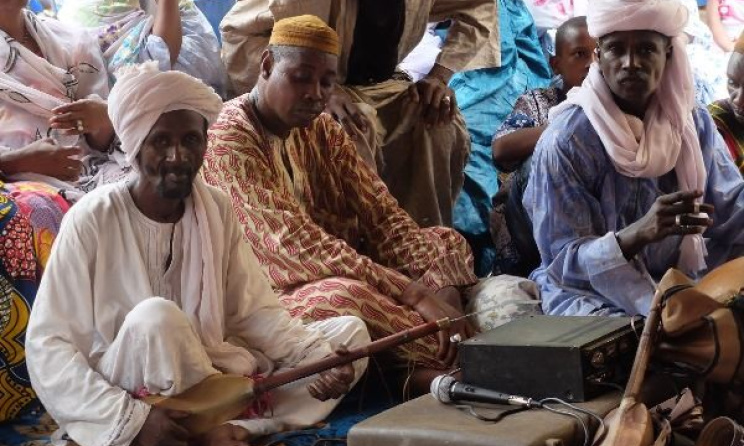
(313, 210)
(731, 129)
(514, 245)
(531, 110)
(30, 215)
(124, 30)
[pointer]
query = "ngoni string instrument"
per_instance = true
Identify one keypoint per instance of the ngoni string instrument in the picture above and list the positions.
(222, 397)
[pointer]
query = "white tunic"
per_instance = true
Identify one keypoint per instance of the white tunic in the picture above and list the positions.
(108, 258)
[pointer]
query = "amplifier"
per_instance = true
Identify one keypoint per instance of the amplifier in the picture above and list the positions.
(570, 357)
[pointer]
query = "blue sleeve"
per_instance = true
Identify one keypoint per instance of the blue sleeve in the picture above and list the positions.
(583, 270)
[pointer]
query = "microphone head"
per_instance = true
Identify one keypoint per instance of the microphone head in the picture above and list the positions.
(440, 388)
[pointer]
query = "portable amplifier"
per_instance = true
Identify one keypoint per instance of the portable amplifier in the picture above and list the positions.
(569, 357)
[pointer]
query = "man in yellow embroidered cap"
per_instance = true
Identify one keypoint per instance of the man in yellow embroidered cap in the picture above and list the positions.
(412, 134)
(329, 234)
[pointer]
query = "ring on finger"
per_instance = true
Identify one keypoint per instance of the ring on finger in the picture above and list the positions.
(695, 208)
(678, 220)
(80, 127)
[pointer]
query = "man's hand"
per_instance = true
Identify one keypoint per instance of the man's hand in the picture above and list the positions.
(437, 100)
(434, 306)
(348, 114)
(44, 157)
(161, 428)
(671, 214)
(225, 435)
(85, 116)
(333, 383)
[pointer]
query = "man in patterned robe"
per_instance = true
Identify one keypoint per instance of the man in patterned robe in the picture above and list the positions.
(329, 234)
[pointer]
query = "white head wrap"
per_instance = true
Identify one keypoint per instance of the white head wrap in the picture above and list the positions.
(668, 138)
(141, 95)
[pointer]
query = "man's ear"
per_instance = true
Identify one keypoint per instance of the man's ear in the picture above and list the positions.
(554, 62)
(267, 63)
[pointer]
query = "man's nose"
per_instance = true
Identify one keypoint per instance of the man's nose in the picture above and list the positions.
(631, 61)
(175, 153)
(315, 92)
(737, 98)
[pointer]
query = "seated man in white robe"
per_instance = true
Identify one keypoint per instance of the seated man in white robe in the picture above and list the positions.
(98, 337)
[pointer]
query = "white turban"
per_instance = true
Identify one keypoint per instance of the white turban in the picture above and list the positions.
(142, 93)
(667, 17)
(667, 138)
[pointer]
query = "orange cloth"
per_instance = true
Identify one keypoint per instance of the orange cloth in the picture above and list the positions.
(307, 31)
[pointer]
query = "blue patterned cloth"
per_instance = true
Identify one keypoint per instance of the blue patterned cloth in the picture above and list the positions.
(577, 201)
(486, 97)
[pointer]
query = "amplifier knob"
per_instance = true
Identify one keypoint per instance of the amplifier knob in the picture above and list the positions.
(598, 359)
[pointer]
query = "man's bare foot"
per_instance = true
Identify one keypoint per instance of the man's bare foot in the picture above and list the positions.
(224, 435)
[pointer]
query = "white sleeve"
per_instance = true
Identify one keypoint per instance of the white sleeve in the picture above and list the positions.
(58, 343)
(254, 314)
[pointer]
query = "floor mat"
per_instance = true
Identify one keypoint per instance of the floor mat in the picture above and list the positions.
(372, 395)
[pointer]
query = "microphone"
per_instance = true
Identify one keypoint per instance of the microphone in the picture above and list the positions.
(446, 390)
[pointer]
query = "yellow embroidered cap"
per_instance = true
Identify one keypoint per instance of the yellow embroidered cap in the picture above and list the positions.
(307, 31)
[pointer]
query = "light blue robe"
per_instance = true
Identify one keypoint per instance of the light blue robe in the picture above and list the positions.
(577, 201)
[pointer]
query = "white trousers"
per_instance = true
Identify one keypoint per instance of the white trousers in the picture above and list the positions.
(157, 349)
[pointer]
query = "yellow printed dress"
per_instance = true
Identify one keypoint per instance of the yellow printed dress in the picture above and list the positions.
(30, 215)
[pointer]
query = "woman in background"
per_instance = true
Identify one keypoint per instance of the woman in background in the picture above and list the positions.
(174, 33)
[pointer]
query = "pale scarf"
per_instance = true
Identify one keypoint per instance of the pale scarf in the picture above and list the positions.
(141, 95)
(669, 138)
(32, 86)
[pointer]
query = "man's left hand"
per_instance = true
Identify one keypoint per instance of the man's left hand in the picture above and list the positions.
(437, 100)
(334, 383)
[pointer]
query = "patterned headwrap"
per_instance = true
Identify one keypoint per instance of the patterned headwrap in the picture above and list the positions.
(306, 31)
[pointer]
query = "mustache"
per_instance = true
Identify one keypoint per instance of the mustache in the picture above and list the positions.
(177, 170)
(314, 107)
(633, 77)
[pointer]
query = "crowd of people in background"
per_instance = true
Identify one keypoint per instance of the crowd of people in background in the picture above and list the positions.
(347, 148)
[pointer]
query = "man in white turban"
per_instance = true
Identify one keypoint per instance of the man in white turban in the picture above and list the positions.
(631, 177)
(151, 288)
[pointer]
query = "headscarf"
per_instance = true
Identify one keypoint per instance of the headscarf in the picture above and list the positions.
(141, 95)
(668, 138)
(306, 31)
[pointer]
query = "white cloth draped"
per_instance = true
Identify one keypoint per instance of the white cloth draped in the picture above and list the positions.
(125, 34)
(31, 86)
(669, 139)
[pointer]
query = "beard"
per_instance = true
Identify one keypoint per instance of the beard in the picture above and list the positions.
(175, 190)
